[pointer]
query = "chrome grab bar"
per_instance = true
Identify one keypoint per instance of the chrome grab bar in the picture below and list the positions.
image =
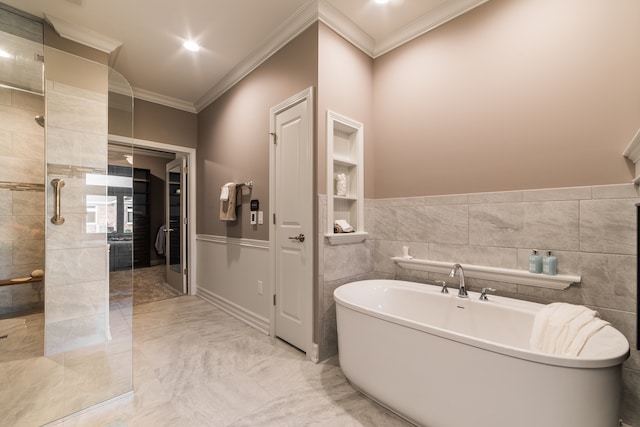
(57, 218)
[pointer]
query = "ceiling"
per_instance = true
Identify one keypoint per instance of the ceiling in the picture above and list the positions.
(144, 37)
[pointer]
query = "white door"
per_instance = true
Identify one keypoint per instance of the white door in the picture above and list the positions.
(292, 227)
(176, 224)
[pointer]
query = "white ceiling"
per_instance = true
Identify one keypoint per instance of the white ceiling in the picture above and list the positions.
(235, 35)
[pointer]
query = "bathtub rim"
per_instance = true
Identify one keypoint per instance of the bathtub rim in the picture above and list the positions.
(526, 354)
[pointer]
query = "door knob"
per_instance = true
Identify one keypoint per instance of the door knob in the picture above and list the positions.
(299, 238)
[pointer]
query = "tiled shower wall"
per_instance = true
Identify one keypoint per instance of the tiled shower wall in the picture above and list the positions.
(77, 285)
(21, 200)
(592, 231)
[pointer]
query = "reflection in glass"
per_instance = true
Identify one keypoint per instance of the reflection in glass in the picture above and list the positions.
(128, 214)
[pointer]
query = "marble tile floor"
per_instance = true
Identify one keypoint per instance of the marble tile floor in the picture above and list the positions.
(195, 365)
(149, 285)
(35, 389)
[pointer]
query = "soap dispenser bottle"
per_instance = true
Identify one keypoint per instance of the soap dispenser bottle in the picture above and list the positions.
(550, 264)
(535, 262)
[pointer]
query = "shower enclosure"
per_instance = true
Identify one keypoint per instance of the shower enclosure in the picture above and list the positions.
(63, 345)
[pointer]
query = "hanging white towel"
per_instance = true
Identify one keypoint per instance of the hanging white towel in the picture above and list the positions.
(563, 329)
(228, 208)
(224, 191)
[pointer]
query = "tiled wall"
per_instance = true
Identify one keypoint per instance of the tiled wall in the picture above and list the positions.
(21, 200)
(592, 231)
(77, 285)
(338, 265)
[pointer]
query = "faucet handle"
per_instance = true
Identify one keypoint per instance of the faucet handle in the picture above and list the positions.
(483, 294)
(444, 289)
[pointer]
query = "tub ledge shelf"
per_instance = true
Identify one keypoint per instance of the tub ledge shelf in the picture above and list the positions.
(520, 277)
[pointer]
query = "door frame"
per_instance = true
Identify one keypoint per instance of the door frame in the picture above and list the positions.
(190, 154)
(307, 95)
(181, 162)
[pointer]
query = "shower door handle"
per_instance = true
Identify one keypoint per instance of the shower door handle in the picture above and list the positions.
(57, 218)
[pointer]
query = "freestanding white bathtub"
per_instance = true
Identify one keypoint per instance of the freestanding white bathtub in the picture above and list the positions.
(442, 361)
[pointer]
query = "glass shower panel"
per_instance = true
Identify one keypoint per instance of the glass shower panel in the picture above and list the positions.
(88, 313)
(21, 52)
(78, 352)
(21, 192)
(22, 224)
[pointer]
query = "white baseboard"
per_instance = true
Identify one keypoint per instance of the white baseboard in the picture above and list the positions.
(248, 317)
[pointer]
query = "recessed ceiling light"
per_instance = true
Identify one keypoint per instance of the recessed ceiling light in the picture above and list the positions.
(381, 1)
(4, 54)
(191, 45)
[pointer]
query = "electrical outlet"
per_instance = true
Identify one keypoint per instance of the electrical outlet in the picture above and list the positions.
(260, 288)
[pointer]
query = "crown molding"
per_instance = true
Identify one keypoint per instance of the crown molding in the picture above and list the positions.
(83, 35)
(312, 11)
(442, 14)
(287, 31)
(346, 28)
(322, 10)
(167, 101)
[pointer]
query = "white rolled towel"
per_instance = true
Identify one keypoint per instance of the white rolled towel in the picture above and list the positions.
(341, 184)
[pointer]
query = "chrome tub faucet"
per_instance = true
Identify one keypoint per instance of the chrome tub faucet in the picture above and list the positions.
(462, 290)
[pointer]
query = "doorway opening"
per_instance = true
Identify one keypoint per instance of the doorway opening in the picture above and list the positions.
(155, 219)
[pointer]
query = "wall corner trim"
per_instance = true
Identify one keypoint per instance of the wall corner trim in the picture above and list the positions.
(632, 152)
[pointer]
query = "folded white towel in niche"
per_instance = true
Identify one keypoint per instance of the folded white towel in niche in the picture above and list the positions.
(563, 329)
(342, 226)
